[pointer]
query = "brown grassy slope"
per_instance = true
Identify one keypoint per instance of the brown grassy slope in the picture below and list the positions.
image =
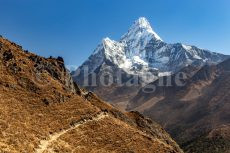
(38, 99)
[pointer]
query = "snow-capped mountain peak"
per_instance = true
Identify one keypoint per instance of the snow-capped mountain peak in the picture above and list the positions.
(141, 27)
(138, 36)
(141, 50)
(112, 50)
(142, 22)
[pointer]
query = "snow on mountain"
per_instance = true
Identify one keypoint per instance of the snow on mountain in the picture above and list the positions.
(141, 51)
(138, 37)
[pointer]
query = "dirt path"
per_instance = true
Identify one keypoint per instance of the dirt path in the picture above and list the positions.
(44, 144)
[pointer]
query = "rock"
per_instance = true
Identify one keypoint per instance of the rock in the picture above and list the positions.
(7, 55)
(59, 58)
(45, 101)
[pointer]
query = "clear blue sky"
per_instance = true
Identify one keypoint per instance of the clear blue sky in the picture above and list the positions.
(73, 28)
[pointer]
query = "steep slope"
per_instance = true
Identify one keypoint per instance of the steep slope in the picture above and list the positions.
(193, 112)
(42, 110)
(141, 54)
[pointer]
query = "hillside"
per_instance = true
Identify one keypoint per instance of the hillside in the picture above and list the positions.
(193, 112)
(43, 111)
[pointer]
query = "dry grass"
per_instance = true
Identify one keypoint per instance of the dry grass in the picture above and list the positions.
(38, 99)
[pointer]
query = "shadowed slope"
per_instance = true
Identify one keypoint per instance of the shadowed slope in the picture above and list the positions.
(190, 112)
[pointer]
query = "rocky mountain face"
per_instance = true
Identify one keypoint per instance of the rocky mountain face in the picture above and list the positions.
(142, 54)
(43, 110)
(192, 113)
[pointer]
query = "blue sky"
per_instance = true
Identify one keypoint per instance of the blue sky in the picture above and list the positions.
(74, 28)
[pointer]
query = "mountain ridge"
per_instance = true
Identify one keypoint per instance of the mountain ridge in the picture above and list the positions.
(141, 51)
(192, 112)
(140, 54)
